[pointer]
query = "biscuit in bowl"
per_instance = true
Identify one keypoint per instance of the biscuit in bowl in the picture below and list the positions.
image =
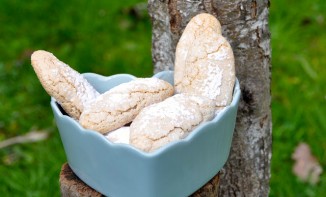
(121, 104)
(170, 120)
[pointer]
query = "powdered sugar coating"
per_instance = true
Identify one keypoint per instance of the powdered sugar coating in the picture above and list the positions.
(168, 121)
(120, 135)
(71, 90)
(121, 104)
(204, 62)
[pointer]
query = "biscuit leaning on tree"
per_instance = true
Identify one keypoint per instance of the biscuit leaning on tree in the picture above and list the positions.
(204, 61)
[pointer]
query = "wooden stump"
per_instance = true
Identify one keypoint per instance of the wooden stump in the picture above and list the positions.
(72, 186)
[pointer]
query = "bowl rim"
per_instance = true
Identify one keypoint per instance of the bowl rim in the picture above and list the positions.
(147, 155)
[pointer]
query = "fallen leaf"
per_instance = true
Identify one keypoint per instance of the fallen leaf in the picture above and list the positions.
(306, 166)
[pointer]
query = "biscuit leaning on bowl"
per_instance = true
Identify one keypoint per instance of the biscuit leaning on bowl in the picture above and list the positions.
(204, 61)
(71, 90)
(170, 120)
(121, 104)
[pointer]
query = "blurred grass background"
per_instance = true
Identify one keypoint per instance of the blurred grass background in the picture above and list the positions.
(110, 37)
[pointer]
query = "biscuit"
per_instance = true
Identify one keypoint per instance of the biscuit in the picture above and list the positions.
(204, 61)
(120, 135)
(121, 104)
(168, 121)
(71, 90)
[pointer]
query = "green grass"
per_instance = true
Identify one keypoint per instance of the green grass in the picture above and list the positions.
(107, 37)
(298, 89)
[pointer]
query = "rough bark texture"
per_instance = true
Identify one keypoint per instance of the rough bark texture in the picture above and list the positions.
(245, 25)
(210, 189)
(72, 186)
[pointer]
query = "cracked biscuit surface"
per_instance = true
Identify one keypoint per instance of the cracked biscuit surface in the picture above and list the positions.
(204, 62)
(168, 121)
(71, 90)
(121, 104)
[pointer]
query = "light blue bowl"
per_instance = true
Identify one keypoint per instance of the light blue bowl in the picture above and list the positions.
(120, 170)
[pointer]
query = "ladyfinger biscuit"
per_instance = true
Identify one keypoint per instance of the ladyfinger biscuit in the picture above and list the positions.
(169, 120)
(71, 90)
(204, 61)
(121, 104)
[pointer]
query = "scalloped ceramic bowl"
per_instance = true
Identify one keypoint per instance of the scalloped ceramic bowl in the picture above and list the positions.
(120, 170)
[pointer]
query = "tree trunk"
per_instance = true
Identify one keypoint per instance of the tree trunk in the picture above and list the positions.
(245, 25)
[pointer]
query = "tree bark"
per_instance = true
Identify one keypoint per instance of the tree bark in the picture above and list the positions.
(245, 25)
(72, 186)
